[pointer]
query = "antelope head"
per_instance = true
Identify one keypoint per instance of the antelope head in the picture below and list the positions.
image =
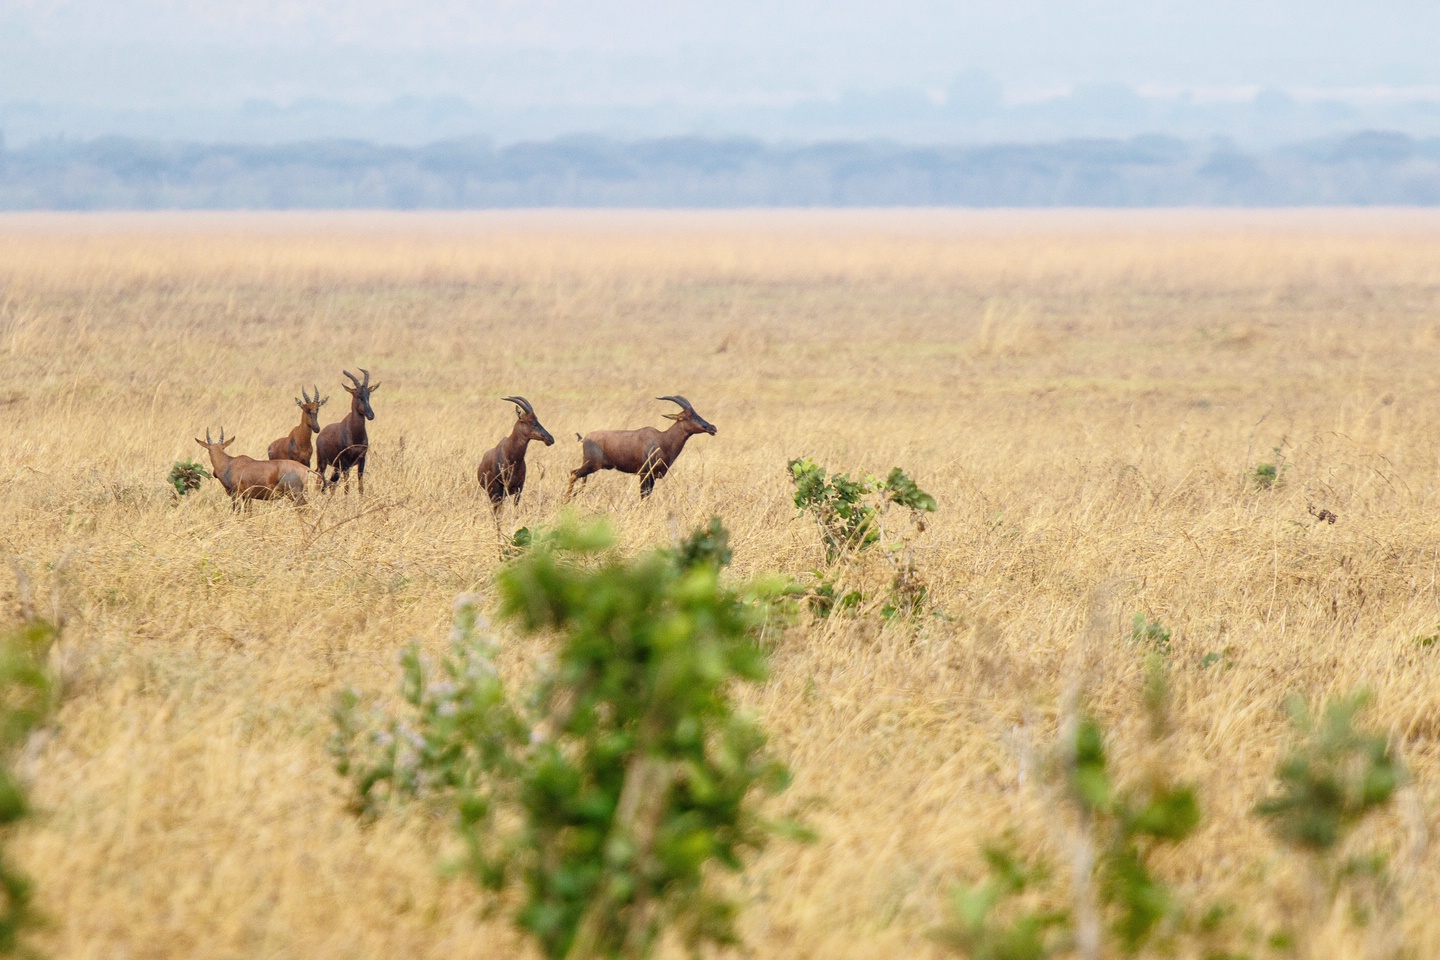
(216, 448)
(692, 421)
(527, 424)
(361, 392)
(311, 408)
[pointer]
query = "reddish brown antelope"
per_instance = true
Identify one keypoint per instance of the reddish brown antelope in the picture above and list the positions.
(647, 452)
(502, 469)
(296, 445)
(344, 444)
(246, 479)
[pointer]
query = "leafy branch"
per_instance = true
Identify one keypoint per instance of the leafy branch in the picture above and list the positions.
(604, 795)
(850, 514)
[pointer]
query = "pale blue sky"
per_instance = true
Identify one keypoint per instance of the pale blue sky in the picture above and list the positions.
(687, 66)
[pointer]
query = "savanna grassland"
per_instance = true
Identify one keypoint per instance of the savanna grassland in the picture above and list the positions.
(1087, 396)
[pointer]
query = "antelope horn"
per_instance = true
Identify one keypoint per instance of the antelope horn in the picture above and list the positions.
(685, 404)
(207, 436)
(522, 403)
(354, 379)
(317, 395)
(304, 394)
(367, 377)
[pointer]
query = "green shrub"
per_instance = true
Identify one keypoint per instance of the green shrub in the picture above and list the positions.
(1151, 634)
(847, 510)
(839, 504)
(1129, 824)
(850, 514)
(607, 795)
(822, 600)
(1268, 476)
(707, 546)
(27, 695)
(1220, 659)
(1333, 777)
(186, 475)
(908, 592)
(990, 920)
(1119, 900)
(516, 543)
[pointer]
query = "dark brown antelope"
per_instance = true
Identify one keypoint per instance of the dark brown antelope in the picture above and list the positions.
(296, 445)
(502, 469)
(647, 452)
(344, 444)
(246, 479)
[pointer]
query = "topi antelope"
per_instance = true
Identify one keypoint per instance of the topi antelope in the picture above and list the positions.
(246, 479)
(344, 444)
(502, 469)
(296, 445)
(647, 452)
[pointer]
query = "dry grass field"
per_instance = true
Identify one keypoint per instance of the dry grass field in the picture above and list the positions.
(1087, 395)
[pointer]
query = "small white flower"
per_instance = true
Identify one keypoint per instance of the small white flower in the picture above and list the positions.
(472, 600)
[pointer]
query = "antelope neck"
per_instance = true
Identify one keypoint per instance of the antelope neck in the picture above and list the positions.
(512, 448)
(356, 422)
(225, 480)
(673, 438)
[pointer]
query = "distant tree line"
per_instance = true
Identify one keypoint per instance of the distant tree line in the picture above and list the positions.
(122, 173)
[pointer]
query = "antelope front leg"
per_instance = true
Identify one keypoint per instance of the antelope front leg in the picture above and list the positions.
(360, 475)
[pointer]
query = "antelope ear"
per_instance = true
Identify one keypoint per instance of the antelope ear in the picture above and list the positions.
(227, 443)
(672, 416)
(201, 442)
(374, 387)
(349, 390)
(299, 404)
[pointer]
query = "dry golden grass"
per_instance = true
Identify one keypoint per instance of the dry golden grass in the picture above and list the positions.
(1085, 394)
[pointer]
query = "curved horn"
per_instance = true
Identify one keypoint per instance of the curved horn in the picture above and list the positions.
(207, 436)
(522, 403)
(685, 404)
(367, 377)
(222, 435)
(352, 376)
(304, 394)
(317, 395)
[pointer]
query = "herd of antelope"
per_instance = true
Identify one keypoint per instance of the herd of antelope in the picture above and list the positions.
(647, 452)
